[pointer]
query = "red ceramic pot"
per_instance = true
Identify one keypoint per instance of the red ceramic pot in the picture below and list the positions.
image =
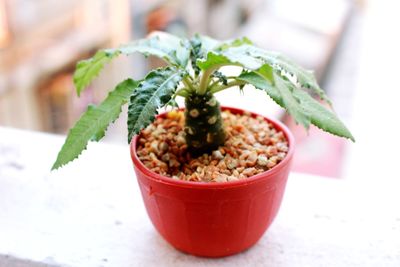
(214, 219)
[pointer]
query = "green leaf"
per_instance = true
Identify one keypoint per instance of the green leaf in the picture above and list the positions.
(291, 104)
(221, 77)
(229, 57)
(263, 83)
(213, 60)
(317, 114)
(154, 91)
(94, 122)
(321, 117)
(196, 52)
(235, 43)
(206, 43)
(210, 49)
(267, 73)
(279, 63)
(305, 78)
(87, 70)
(172, 49)
(254, 58)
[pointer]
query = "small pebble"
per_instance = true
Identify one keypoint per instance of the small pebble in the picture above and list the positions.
(262, 160)
(217, 154)
(252, 159)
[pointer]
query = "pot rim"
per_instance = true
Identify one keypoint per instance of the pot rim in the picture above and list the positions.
(214, 185)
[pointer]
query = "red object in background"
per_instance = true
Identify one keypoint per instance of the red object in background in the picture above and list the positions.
(317, 152)
(214, 219)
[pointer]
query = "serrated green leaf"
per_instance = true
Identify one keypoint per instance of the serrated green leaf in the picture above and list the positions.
(321, 117)
(254, 58)
(94, 122)
(172, 49)
(279, 63)
(291, 103)
(318, 114)
(211, 56)
(154, 91)
(86, 70)
(262, 83)
(305, 78)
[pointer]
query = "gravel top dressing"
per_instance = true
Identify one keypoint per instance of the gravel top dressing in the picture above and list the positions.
(252, 146)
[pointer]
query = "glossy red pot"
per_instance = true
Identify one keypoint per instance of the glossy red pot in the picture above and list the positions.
(214, 219)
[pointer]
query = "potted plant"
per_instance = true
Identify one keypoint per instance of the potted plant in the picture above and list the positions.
(212, 181)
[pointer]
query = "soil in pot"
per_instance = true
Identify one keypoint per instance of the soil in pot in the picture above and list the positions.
(252, 146)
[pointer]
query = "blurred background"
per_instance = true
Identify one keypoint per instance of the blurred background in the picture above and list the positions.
(349, 44)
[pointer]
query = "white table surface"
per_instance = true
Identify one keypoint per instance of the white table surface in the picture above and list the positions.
(90, 213)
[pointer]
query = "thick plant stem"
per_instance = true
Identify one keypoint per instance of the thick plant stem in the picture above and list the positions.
(203, 123)
(204, 81)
